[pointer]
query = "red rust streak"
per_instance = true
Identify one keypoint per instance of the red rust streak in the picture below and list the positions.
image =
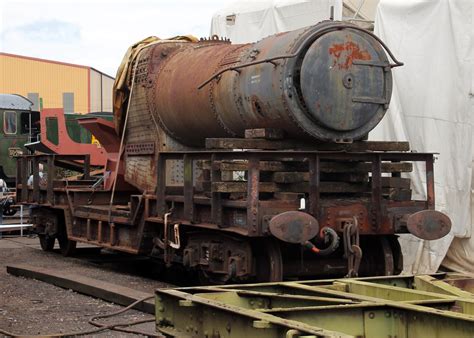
(345, 53)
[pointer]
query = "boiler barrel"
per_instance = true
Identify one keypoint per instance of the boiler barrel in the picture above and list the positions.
(328, 82)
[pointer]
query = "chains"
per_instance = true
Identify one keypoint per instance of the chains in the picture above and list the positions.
(352, 250)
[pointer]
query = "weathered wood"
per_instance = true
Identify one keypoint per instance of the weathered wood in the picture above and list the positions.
(387, 167)
(303, 187)
(287, 196)
(396, 182)
(325, 167)
(241, 143)
(265, 133)
(227, 175)
(295, 177)
(242, 165)
(396, 194)
(325, 187)
(290, 177)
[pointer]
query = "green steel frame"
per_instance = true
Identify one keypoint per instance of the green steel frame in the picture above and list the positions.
(440, 305)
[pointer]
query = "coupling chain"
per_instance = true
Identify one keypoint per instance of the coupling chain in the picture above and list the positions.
(352, 250)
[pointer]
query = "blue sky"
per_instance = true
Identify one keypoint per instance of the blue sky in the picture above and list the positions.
(97, 33)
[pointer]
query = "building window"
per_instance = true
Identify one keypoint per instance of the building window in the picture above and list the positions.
(34, 97)
(68, 102)
(9, 122)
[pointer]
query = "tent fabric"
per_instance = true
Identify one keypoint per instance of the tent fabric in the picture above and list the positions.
(250, 21)
(432, 108)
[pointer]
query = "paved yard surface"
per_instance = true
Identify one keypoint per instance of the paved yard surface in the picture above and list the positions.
(30, 307)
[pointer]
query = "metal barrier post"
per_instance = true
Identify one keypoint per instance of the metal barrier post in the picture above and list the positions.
(21, 220)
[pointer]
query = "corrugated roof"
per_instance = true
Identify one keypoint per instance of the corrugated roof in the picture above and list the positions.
(54, 62)
(15, 102)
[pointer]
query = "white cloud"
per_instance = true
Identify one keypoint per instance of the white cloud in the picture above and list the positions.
(97, 33)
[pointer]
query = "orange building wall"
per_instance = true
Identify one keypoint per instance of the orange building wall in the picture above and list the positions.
(23, 75)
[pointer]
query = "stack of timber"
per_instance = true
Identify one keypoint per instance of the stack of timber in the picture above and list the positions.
(289, 177)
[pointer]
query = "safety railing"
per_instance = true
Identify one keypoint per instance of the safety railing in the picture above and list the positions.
(43, 174)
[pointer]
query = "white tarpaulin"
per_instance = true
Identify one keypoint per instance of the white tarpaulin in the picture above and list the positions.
(249, 21)
(432, 104)
(432, 108)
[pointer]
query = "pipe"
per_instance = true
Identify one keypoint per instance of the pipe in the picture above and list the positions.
(334, 241)
(419, 251)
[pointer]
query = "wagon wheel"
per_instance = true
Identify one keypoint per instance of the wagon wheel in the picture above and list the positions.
(396, 254)
(387, 257)
(268, 260)
(46, 242)
(8, 211)
(67, 246)
(382, 256)
(209, 278)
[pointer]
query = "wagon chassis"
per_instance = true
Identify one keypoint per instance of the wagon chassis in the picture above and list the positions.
(220, 225)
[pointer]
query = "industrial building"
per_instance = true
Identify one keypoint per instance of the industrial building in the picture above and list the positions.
(53, 84)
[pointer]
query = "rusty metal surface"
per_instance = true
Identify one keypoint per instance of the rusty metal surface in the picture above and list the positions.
(135, 223)
(463, 282)
(294, 227)
(258, 86)
(271, 84)
(429, 224)
(333, 85)
(105, 133)
(248, 210)
(66, 145)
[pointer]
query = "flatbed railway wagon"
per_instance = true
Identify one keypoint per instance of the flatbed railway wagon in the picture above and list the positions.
(246, 162)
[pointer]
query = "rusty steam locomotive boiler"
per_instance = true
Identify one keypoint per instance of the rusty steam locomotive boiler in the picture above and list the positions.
(248, 162)
(330, 82)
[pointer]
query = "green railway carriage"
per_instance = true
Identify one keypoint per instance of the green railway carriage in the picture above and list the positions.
(20, 131)
(19, 124)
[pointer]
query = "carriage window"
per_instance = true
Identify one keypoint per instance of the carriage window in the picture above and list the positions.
(9, 122)
(76, 132)
(52, 130)
(25, 123)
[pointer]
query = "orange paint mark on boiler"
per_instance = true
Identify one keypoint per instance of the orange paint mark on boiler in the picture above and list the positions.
(345, 53)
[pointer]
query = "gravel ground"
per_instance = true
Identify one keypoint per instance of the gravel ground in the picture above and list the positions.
(31, 307)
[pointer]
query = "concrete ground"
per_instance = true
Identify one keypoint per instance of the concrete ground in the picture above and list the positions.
(31, 307)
